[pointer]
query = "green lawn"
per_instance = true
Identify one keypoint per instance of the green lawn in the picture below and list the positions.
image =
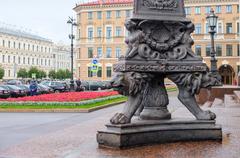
(61, 105)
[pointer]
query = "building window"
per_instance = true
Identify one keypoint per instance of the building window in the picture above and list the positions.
(19, 60)
(118, 31)
(229, 8)
(198, 29)
(219, 28)
(109, 72)
(118, 52)
(3, 43)
(128, 13)
(187, 10)
(99, 52)
(33, 61)
(28, 60)
(108, 15)
(9, 44)
(9, 59)
(90, 33)
(90, 73)
(19, 45)
(238, 49)
(238, 69)
(238, 8)
(3, 58)
(14, 44)
(99, 73)
(99, 15)
(207, 28)
(238, 28)
(208, 50)
(14, 59)
(207, 9)
(118, 13)
(197, 10)
(219, 50)
(109, 52)
(99, 32)
(218, 9)
(228, 50)
(198, 50)
(24, 46)
(90, 15)
(28, 46)
(229, 28)
(109, 32)
(90, 52)
(32, 47)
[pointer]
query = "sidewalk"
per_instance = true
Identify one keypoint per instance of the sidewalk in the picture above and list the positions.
(79, 141)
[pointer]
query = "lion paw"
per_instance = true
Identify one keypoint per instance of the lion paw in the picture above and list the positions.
(119, 118)
(206, 115)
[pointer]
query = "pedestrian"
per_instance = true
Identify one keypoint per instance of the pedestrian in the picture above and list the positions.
(78, 83)
(33, 88)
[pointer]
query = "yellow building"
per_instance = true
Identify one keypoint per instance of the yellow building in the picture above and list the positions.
(101, 33)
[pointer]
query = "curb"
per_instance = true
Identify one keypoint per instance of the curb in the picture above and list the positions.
(59, 110)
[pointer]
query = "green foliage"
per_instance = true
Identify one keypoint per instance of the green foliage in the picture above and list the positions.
(1, 73)
(63, 74)
(52, 74)
(22, 73)
(39, 73)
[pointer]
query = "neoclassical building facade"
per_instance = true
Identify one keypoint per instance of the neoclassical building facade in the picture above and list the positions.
(19, 49)
(101, 33)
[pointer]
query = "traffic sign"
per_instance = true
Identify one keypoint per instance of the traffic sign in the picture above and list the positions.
(95, 61)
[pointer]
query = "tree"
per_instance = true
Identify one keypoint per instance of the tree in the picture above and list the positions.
(22, 73)
(52, 74)
(38, 73)
(61, 74)
(68, 74)
(33, 70)
(1, 73)
(41, 74)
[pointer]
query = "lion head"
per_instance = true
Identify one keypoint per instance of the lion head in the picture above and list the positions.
(129, 83)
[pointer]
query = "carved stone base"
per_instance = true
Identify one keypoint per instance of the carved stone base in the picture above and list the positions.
(155, 113)
(140, 133)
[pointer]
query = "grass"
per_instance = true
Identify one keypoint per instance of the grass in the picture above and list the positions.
(61, 106)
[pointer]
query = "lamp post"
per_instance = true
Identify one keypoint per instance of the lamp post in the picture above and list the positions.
(72, 22)
(212, 23)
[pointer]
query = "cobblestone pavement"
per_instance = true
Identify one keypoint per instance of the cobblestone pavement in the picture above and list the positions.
(76, 138)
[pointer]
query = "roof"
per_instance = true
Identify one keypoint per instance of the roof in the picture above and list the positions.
(23, 34)
(105, 2)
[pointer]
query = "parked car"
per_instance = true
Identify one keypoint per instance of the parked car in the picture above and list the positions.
(45, 89)
(56, 86)
(4, 93)
(14, 82)
(25, 87)
(15, 91)
(93, 85)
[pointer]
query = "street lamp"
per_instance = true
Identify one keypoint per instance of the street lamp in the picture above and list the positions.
(72, 22)
(212, 23)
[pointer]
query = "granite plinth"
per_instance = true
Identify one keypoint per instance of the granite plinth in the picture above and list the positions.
(140, 133)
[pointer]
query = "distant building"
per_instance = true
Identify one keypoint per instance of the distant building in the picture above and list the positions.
(101, 33)
(62, 57)
(19, 49)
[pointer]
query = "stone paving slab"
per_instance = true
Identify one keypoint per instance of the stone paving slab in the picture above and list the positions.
(79, 141)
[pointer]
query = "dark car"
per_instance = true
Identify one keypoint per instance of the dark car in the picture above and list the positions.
(25, 87)
(14, 82)
(15, 91)
(93, 85)
(56, 86)
(4, 93)
(44, 89)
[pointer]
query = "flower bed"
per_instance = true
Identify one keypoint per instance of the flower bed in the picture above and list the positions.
(62, 97)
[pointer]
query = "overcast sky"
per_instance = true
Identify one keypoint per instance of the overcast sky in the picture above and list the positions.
(46, 17)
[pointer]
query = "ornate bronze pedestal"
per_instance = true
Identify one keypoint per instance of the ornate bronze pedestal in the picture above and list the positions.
(159, 46)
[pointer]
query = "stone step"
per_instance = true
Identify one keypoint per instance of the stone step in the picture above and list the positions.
(230, 101)
(237, 95)
(217, 103)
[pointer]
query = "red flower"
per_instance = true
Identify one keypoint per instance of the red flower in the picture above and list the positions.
(63, 97)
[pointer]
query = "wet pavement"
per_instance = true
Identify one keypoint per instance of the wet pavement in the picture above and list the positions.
(78, 139)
